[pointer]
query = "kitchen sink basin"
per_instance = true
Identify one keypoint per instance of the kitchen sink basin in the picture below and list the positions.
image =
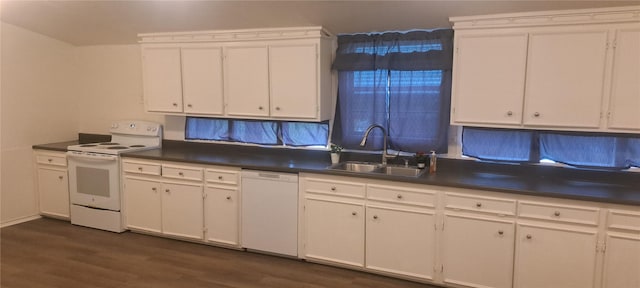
(400, 171)
(375, 168)
(351, 166)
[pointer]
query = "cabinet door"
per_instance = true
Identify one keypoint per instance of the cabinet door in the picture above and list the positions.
(554, 257)
(221, 214)
(565, 78)
(53, 187)
(400, 242)
(142, 202)
(293, 74)
(622, 261)
(182, 213)
(335, 231)
(625, 88)
(202, 80)
(478, 252)
(162, 80)
(247, 81)
(489, 79)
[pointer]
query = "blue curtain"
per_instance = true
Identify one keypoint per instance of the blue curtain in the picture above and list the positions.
(401, 81)
(305, 134)
(588, 150)
(257, 131)
(578, 149)
(206, 129)
(498, 144)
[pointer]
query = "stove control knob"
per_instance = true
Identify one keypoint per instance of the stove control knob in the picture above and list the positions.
(148, 128)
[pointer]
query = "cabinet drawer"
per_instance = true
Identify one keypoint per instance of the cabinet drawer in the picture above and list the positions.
(561, 213)
(221, 176)
(57, 160)
(401, 195)
(335, 187)
(180, 172)
(619, 219)
(491, 205)
(141, 168)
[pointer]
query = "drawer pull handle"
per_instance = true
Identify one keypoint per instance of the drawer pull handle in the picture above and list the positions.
(219, 177)
(529, 236)
(175, 104)
(399, 196)
(260, 108)
(228, 197)
(60, 177)
(478, 204)
(557, 213)
(333, 188)
(354, 213)
(509, 113)
(167, 190)
(189, 105)
(49, 160)
(537, 114)
(139, 168)
(154, 189)
(180, 173)
(500, 232)
(375, 217)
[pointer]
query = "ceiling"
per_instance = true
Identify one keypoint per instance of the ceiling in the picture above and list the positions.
(91, 22)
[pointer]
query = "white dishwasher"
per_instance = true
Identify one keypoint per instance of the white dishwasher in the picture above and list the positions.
(270, 212)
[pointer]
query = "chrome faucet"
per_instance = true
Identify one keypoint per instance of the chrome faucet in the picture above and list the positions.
(385, 155)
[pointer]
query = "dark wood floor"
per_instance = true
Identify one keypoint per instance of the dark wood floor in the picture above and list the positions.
(53, 253)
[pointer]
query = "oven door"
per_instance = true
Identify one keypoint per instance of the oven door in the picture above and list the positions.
(94, 180)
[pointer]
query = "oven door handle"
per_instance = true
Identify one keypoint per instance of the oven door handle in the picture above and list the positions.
(92, 158)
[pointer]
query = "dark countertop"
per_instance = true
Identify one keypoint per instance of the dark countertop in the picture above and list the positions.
(536, 180)
(58, 146)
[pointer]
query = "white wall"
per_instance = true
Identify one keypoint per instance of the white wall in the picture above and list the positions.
(38, 106)
(110, 87)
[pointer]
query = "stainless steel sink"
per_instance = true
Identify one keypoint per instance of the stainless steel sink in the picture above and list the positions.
(351, 166)
(400, 171)
(376, 168)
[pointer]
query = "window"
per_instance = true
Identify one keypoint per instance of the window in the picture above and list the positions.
(401, 81)
(587, 150)
(257, 131)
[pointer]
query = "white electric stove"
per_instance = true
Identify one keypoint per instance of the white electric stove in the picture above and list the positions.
(94, 173)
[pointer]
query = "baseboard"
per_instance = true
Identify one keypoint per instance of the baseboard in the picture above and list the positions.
(19, 220)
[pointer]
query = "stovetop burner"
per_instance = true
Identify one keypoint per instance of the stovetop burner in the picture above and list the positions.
(118, 147)
(109, 143)
(137, 146)
(88, 145)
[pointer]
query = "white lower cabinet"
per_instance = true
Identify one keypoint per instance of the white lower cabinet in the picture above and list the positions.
(143, 204)
(555, 256)
(477, 251)
(182, 210)
(400, 241)
(622, 252)
(221, 215)
(166, 199)
(170, 208)
(335, 231)
(52, 183)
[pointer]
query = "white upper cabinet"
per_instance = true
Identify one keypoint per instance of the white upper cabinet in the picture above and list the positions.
(565, 78)
(625, 87)
(279, 74)
(202, 80)
(489, 78)
(247, 81)
(162, 80)
(574, 70)
(185, 79)
(293, 71)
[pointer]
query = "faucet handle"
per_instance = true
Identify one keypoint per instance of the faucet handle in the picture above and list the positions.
(406, 162)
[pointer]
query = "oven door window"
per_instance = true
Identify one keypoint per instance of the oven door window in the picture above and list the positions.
(93, 181)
